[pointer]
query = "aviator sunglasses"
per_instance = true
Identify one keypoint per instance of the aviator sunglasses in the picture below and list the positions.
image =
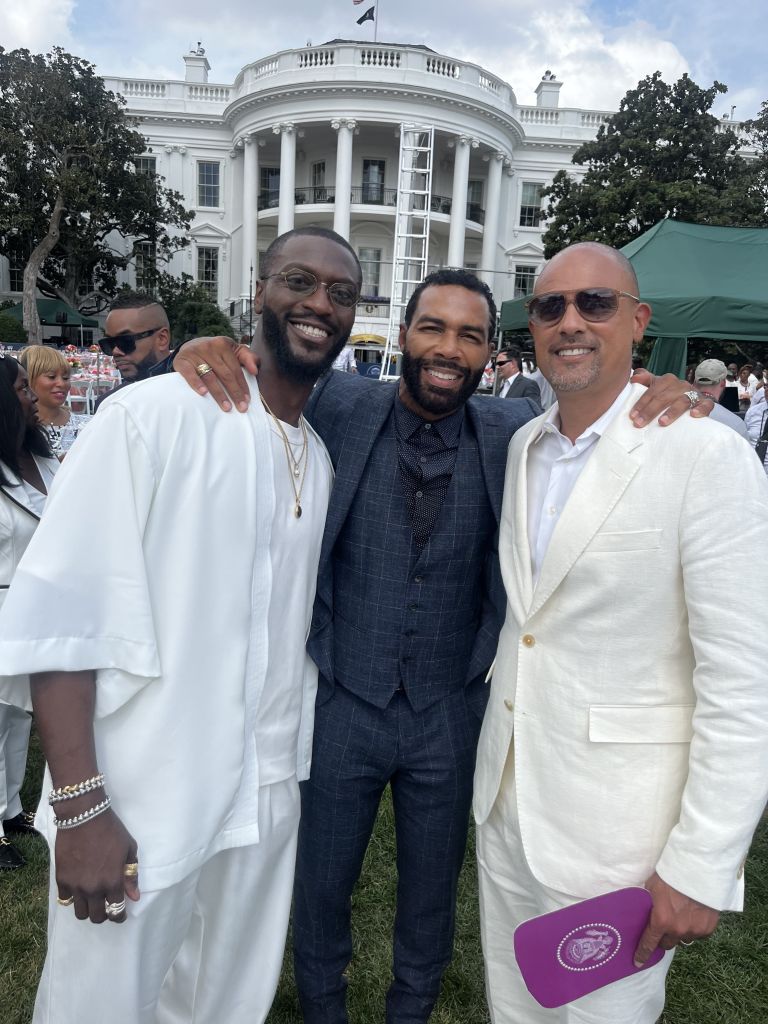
(303, 283)
(125, 342)
(593, 304)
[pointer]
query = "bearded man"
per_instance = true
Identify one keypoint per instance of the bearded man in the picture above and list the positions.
(163, 611)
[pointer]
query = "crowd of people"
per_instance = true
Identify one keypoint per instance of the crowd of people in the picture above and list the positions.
(344, 585)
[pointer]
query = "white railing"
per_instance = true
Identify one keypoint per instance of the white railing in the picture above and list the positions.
(488, 83)
(440, 66)
(316, 58)
(208, 93)
(266, 68)
(380, 58)
(146, 90)
(593, 119)
(539, 115)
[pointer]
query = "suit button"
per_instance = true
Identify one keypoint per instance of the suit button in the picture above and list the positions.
(528, 640)
(413, 607)
(418, 579)
(509, 705)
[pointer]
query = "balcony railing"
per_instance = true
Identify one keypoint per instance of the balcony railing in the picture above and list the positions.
(372, 195)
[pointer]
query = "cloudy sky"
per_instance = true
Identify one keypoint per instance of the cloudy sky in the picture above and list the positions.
(598, 49)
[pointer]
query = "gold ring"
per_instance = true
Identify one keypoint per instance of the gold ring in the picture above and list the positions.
(131, 870)
(65, 903)
(202, 368)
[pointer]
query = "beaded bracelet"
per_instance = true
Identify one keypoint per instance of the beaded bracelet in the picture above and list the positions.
(80, 819)
(80, 789)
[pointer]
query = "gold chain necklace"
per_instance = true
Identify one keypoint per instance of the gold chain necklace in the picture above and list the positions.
(294, 465)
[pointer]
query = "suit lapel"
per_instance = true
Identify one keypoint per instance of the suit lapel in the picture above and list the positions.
(599, 487)
(18, 496)
(518, 568)
(365, 423)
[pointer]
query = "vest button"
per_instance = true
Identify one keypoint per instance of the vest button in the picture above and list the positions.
(528, 640)
(509, 705)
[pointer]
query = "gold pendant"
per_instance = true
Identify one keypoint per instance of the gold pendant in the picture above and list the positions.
(297, 511)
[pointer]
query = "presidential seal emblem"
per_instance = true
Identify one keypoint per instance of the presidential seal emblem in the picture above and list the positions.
(588, 947)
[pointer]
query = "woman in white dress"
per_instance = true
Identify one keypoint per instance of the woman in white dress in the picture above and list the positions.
(49, 374)
(26, 473)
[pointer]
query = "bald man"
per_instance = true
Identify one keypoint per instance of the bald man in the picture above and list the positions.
(624, 740)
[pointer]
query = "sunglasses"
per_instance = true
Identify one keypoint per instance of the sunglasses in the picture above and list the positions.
(593, 304)
(301, 282)
(125, 342)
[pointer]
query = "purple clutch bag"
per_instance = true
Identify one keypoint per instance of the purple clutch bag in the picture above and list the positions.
(567, 954)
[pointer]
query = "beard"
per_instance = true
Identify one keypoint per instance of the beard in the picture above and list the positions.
(290, 365)
(433, 401)
(577, 380)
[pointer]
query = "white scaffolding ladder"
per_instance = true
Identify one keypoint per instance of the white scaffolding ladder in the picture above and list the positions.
(411, 246)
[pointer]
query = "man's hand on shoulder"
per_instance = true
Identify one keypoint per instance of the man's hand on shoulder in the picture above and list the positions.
(675, 919)
(215, 366)
(667, 395)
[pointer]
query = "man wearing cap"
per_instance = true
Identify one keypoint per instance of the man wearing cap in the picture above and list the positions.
(710, 379)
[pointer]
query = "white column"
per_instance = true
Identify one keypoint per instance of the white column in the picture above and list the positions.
(287, 176)
(491, 228)
(250, 211)
(459, 201)
(341, 213)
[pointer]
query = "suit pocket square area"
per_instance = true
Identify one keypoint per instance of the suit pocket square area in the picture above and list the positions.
(571, 952)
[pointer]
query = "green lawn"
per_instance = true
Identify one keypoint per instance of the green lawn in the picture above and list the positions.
(723, 981)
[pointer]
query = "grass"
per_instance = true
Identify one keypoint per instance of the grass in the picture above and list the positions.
(722, 981)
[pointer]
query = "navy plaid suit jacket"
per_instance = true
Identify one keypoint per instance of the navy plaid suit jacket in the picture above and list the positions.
(349, 412)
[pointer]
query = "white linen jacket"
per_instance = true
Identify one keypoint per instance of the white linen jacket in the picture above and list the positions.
(638, 714)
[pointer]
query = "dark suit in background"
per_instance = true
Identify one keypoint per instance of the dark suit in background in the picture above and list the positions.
(523, 387)
(403, 635)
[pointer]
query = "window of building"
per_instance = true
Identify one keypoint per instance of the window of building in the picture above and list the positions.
(373, 181)
(208, 183)
(530, 204)
(208, 269)
(146, 165)
(475, 191)
(269, 187)
(16, 277)
(319, 191)
(525, 278)
(145, 265)
(370, 261)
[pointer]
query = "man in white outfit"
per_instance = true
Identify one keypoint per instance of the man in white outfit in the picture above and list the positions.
(605, 761)
(163, 608)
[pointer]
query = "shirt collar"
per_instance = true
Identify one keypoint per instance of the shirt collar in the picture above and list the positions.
(408, 423)
(551, 422)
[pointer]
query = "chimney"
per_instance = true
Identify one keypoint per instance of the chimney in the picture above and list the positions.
(197, 65)
(548, 91)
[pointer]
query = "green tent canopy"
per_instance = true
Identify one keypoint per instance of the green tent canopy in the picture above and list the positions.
(701, 282)
(54, 313)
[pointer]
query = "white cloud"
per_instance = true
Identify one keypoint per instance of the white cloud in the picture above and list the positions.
(36, 25)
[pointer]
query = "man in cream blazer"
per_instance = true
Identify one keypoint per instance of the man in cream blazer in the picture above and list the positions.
(625, 737)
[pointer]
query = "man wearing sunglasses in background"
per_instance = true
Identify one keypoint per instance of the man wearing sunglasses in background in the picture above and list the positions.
(624, 743)
(512, 383)
(138, 337)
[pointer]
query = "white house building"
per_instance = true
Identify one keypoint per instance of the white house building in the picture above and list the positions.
(313, 136)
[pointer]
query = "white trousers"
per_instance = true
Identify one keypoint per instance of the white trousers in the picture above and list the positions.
(14, 740)
(207, 950)
(509, 895)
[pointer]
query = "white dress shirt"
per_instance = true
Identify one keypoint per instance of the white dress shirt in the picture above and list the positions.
(554, 465)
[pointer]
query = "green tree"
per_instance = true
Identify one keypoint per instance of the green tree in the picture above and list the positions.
(663, 154)
(11, 331)
(69, 186)
(191, 310)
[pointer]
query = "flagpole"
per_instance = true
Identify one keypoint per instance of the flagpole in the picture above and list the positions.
(376, 22)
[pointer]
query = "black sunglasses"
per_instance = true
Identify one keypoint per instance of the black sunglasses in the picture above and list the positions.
(303, 283)
(125, 342)
(593, 304)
